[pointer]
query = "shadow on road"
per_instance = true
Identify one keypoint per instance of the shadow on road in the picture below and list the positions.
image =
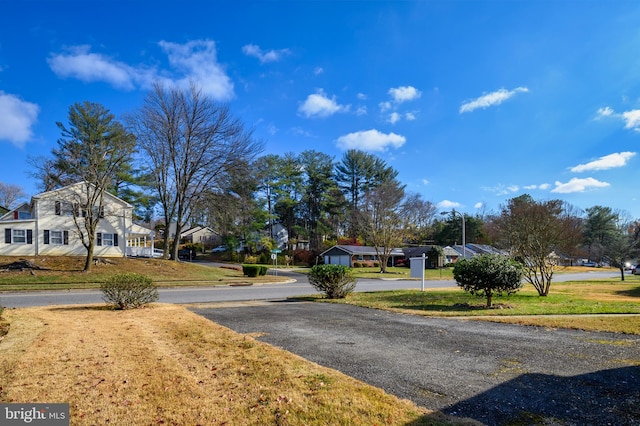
(600, 398)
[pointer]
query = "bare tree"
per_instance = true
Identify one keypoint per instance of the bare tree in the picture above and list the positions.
(190, 142)
(381, 219)
(9, 194)
(533, 231)
(419, 215)
(43, 170)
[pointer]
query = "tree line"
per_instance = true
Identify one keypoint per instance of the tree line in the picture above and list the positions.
(182, 158)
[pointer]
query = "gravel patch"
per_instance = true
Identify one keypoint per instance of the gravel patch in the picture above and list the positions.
(498, 374)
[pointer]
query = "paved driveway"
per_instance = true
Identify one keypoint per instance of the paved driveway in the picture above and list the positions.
(494, 373)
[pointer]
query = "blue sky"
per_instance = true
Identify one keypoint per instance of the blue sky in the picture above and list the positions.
(473, 102)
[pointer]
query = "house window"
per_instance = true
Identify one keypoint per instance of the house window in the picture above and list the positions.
(24, 215)
(18, 236)
(106, 239)
(56, 237)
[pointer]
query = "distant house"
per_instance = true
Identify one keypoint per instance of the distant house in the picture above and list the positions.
(201, 234)
(431, 263)
(347, 255)
(3, 210)
(280, 235)
(45, 226)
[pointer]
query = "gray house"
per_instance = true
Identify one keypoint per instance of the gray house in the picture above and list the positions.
(347, 255)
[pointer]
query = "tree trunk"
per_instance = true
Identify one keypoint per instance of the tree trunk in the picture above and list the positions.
(489, 297)
(89, 260)
(621, 272)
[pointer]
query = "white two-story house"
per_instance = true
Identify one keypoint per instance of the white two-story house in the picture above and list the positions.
(48, 226)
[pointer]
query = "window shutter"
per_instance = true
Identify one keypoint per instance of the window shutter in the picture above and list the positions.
(65, 236)
(7, 235)
(46, 236)
(99, 239)
(15, 214)
(29, 236)
(58, 208)
(115, 240)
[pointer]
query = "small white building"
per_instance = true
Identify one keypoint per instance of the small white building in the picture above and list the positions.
(47, 226)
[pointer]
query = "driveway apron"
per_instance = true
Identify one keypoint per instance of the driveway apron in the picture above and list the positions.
(494, 373)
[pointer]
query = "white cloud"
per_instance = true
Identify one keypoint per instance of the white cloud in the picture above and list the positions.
(604, 112)
(404, 93)
(361, 96)
(478, 205)
(610, 161)
(318, 70)
(384, 106)
(361, 110)
(544, 186)
(272, 129)
(370, 140)
(198, 61)
(320, 105)
(502, 189)
(425, 182)
(394, 117)
(632, 119)
(578, 185)
(268, 56)
(490, 99)
(194, 61)
(410, 116)
(89, 67)
(447, 204)
(17, 118)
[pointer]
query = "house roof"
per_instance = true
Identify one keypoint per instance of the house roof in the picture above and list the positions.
(195, 229)
(54, 192)
(416, 251)
(9, 214)
(362, 250)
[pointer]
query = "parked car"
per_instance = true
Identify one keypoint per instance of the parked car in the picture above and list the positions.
(636, 270)
(187, 254)
(219, 249)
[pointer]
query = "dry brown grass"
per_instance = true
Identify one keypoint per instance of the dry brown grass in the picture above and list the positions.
(166, 365)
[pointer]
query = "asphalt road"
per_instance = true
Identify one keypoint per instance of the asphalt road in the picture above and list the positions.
(298, 285)
(495, 373)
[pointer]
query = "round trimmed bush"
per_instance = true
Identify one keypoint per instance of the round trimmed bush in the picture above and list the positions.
(488, 275)
(130, 290)
(336, 281)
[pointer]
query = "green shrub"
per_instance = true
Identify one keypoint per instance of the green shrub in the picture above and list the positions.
(251, 259)
(336, 281)
(264, 259)
(488, 275)
(254, 270)
(357, 265)
(130, 290)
